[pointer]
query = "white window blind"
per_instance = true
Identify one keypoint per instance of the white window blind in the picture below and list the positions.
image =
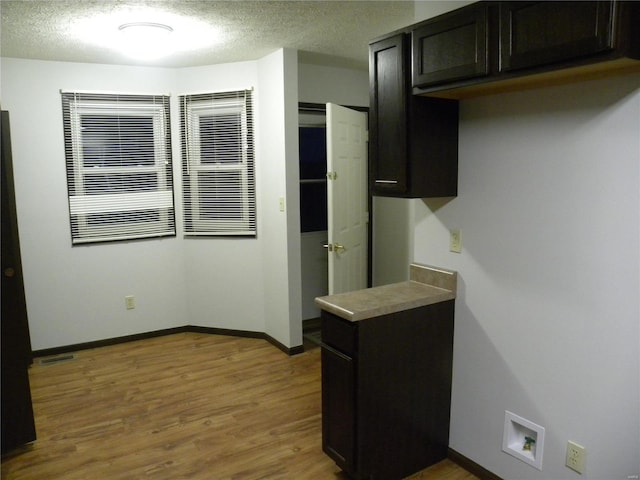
(118, 156)
(218, 163)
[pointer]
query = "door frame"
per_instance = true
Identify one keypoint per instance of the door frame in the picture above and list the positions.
(321, 108)
(18, 424)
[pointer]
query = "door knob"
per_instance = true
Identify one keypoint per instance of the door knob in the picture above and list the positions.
(334, 247)
(9, 272)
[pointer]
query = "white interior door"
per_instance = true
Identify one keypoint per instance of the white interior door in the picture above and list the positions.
(347, 209)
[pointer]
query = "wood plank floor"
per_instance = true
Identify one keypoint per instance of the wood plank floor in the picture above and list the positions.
(184, 406)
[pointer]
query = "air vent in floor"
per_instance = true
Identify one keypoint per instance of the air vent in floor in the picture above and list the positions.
(57, 359)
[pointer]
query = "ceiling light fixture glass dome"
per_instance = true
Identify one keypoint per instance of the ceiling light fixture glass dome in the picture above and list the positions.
(146, 40)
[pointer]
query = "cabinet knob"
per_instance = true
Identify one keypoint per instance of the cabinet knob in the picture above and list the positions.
(9, 272)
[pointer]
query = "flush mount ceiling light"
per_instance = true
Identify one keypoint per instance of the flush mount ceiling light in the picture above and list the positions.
(146, 28)
(146, 35)
(146, 40)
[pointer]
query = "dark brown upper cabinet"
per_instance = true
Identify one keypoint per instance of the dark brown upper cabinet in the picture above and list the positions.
(388, 116)
(527, 44)
(452, 48)
(413, 140)
(533, 34)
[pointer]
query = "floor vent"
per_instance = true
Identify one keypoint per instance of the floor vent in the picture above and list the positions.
(58, 359)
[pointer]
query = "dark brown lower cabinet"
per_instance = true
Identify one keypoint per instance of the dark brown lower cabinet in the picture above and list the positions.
(386, 391)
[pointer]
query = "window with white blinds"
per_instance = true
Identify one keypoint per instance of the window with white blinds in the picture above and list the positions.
(118, 156)
(218, 163)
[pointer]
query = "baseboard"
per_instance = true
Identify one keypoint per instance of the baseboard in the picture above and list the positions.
(46, 352)
(288, 350)
(225, 331)
(471, 466)
(243, 333)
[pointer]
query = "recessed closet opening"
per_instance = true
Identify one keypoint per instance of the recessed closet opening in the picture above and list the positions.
(313, 208)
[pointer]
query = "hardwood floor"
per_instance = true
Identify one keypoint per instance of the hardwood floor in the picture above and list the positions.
(184, 406)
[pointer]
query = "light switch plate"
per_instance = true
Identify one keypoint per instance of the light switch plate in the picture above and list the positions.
(455, 241)
(130, 302)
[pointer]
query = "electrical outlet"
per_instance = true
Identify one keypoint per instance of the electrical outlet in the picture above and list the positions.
(575, 457)
(130, 302)
(455, 241)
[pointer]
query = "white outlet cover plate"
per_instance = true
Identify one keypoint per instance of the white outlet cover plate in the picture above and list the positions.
(579, 451)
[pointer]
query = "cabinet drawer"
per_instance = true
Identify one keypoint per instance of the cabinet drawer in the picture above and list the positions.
(339, 333)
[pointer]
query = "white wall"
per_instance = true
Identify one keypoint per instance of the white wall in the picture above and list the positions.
(547, 314)
(548, 310)
(281, 248)
(224, 275)
(430, 8)
(292, 172)
(392, 240)
(76, 295)
(322, 84)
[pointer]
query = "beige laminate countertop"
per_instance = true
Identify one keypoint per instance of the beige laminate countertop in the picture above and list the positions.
(427, 285)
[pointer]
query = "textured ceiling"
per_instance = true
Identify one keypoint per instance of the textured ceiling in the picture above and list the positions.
(327, 32)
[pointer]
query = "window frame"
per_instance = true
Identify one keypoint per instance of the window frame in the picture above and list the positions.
(158, 202)
(192, 109)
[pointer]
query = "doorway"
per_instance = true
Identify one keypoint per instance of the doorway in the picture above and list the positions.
(314, 211)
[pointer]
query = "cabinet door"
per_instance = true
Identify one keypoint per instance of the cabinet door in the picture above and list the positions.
(539, 33)
(388, 115)
(338, 408)
(451, 48)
